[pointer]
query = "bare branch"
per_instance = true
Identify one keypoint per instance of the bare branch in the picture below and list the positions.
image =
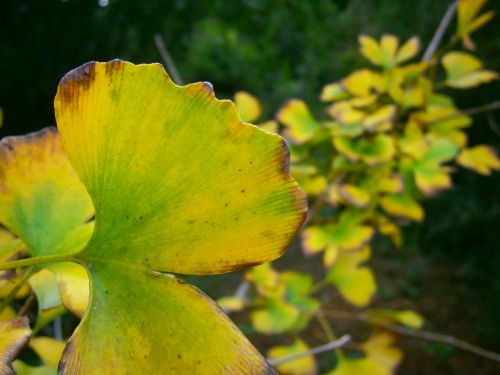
(314, 351)
(167, 59)
(424, 335)
(438, 35)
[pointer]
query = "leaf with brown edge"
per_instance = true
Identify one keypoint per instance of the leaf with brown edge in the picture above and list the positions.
(177, 181)
(14, 335)
(43, 202)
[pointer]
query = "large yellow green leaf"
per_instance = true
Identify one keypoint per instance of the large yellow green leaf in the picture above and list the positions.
(248, 106)
(464, 70)
(299, 122)
(14, 334)
(301, 366)
(354, 281)
(482, 159)
(179, 185)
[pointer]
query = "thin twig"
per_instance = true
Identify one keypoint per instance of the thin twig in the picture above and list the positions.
(314, 351)
(167, 59)
(27, 305)
(58, 335)
(424, 335)
(17, 287)
(493, 124)
(438, 35)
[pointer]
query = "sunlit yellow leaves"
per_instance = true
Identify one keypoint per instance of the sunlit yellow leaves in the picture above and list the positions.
(386, 53)
(354, 281)
(464, 70)
(380, 358)
(14, 334)
(300, 126)
(248, 106)
(301, 366)
(483, 159)
(402, 205)
(468, 22)
(176, 180)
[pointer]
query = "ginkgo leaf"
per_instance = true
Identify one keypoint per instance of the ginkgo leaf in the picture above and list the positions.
(248, 106)
(14, 335)
(359, 83)
(44, 285)
(388, 47)
(299, 122)
(44, 203)
(301, 366)
(430, 175)
(464, 70)
(264, 277)
(380, 358)
(307, 176)
(333, 92)
(276, 317)
(467, 11)
(354, 195)
(176, 181)
(402, 205)
(370, 49)
(408, 50)
(231, 303)
(355, 282)
(483, 159)
(373, 151)
(380, 116)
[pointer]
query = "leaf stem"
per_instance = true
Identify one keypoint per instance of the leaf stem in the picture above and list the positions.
(317, 350)
(37, 260)
(16, 288)
(438, 35)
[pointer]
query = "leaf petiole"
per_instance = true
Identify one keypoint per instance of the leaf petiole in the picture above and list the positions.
(38, 260)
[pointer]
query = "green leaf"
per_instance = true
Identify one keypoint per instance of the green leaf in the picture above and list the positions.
(464, 70)
(299, 122)
(176, 181)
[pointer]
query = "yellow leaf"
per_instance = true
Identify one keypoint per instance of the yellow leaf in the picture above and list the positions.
(278, 317)
(402, 205)
(370, 49)
(264, 277)
(464, 70)
(388, 228)
(270, 126)
(248, 106)
(381, 115)
(229, 304)
(73, 284)
(14, 335)
(467, 21)
(302, 366)
(408, 50)
(299, 123)
(388, 46)
(333, 92)
(359, 83)
(482, 159)
(8, 313)
(48, 349)
(309, 179)
(354, 195)
(355, 282)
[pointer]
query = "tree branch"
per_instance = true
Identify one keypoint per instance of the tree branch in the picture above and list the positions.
(424, 335)
(317, 350)
(438, 35)
(167, 59)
